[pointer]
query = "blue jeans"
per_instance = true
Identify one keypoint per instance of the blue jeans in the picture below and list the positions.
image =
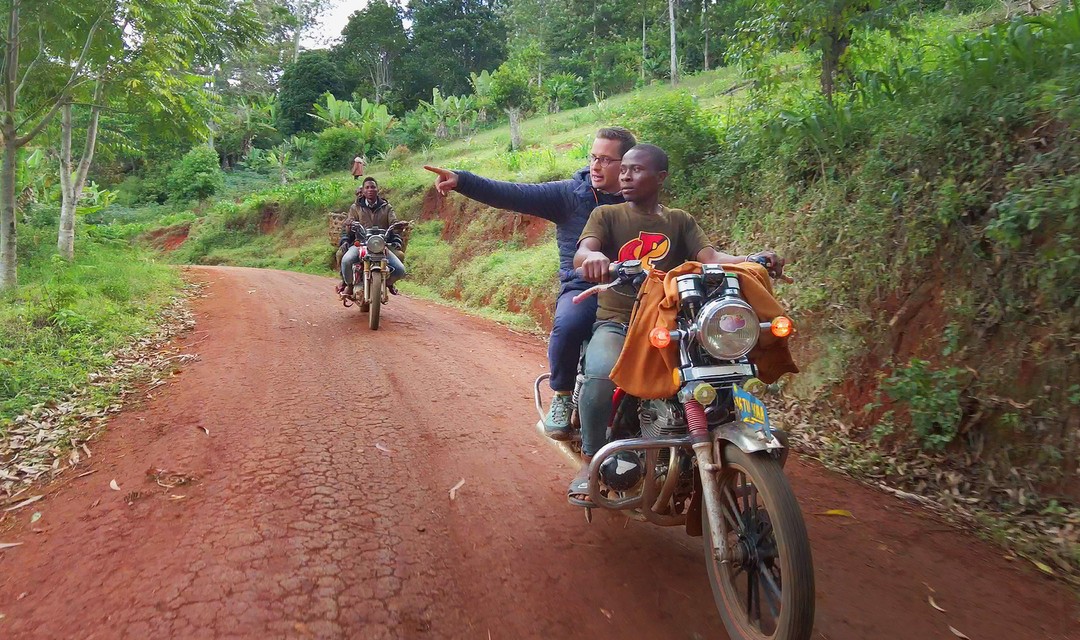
(596, 392)
(571, 328)
(352, 256)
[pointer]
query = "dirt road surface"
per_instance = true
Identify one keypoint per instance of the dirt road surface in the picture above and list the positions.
(319, 506)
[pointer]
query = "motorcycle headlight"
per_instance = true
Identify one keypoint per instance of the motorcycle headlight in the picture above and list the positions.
(376, 244)
(728, 328)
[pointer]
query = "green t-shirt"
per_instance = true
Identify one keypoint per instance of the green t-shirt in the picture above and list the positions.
(661, 241)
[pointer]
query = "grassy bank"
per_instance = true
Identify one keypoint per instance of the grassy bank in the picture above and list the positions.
(63, 321)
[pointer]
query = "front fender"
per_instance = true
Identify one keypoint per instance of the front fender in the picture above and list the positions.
(748, 439)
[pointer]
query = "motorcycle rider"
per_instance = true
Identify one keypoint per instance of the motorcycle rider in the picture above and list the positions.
(567, 203)
(639, 229)
(370, 210)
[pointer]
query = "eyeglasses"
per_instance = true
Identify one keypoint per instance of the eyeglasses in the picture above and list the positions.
(604, 161)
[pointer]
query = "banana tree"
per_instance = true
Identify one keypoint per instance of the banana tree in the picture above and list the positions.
(336, 113)
(462, 112)
(481, 84)
(439, 108)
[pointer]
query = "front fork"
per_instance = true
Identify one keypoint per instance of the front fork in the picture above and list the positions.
(366, 276)
(708, 468)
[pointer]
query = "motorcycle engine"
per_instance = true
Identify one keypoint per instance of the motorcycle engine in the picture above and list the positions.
(661, 419)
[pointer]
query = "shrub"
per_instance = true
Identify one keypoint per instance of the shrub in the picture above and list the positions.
(336, 147)
(676, 123)
(196, 176)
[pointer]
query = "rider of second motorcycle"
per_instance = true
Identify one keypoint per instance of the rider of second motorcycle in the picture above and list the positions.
(639, 229)
(370, 210)
(567, 203)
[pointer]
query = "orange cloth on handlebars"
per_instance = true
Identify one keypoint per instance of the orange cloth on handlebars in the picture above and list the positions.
(645, 372)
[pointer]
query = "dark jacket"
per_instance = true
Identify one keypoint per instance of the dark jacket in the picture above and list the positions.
(381, 215)
(567, 203)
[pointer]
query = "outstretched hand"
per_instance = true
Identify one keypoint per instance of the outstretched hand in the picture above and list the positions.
(446, 181)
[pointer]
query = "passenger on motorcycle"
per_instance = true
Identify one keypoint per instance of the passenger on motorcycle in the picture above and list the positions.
(567, 203)
(639, 229)
(370, 211)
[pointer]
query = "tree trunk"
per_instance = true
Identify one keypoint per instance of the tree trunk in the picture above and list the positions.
(71, 186)
(65, 240)
(705, 28)
(515, 127)
(7, 210)
(296, 42)
(8, 262)
(674, 54)
(643, 7)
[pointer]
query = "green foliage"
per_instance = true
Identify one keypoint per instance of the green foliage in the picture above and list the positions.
(335, 113)
(449, 39)
(302, 85)
(679, 125)
(510, 87)
(932, 400)
(196, 176)
(562, 90)
(65, 319)
(1043, 220)
(336, 147)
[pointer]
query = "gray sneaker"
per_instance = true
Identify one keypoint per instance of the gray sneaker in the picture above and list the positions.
(557, 421)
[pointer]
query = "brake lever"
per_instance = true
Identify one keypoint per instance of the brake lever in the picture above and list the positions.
(595, 290)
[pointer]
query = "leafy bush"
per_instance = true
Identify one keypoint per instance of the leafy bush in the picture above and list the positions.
(932, 398)
(336, 147)
(676, 123)
(196, 176)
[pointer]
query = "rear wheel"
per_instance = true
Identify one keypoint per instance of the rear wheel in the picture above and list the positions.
(375, 291)
(764, 587)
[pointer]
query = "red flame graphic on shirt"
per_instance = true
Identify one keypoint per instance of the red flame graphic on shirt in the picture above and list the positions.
(647, 247)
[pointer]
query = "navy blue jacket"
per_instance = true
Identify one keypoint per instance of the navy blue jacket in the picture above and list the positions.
(567, 203)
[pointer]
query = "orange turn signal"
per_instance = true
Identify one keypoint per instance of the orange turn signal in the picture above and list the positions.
(660, 338)
(781, 326)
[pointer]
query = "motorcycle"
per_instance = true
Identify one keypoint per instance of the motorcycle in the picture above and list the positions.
(709, 459)
(373, 268)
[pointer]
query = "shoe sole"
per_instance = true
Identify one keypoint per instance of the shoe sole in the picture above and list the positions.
(558, 436)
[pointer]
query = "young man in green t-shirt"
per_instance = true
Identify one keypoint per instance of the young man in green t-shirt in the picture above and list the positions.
(639, 229)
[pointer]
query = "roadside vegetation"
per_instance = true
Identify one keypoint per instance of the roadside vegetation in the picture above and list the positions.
(917, 161)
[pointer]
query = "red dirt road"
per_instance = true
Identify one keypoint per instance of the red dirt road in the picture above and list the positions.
(299, 525)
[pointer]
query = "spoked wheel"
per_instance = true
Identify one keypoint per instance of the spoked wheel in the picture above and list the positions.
(376, 300)
(764, 585)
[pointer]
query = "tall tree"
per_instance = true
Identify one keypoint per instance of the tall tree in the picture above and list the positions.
(674, 52)
(141, 51)
(450, 39)
(302, 85)
(372, 44)
(823, 26)
(306, 14)
(510, 92)
(32, 94)
(256, 68)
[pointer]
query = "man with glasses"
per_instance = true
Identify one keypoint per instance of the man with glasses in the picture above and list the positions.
(568, 204)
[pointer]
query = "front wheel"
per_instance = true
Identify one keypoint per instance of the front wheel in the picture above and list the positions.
(764, 585)
(376, 292)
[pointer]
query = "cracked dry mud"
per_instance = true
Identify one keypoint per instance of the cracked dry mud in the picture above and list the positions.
(320, 509)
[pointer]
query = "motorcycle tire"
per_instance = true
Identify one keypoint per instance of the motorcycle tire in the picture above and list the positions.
(376, 290)
(762, 539)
